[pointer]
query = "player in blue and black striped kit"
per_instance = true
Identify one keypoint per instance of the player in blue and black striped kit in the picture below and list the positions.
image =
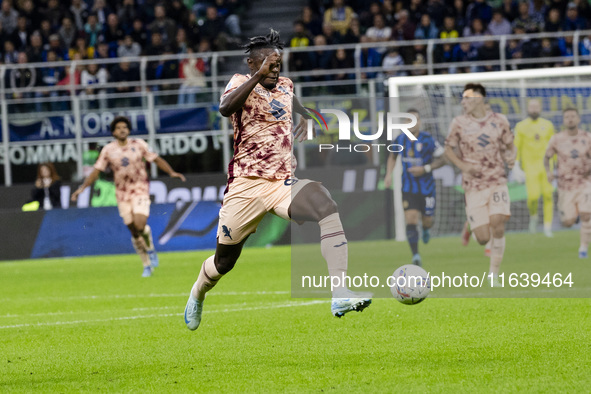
(419, 159)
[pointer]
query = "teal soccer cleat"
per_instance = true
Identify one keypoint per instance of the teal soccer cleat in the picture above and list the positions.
(147, 272)
(153, 258)
(193, 313)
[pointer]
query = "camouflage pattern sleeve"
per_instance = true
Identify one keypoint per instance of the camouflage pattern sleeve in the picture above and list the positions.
(147, 152)
(551, 149)
(507, 136)
(453, 138)
(102, 162)
(235, 82)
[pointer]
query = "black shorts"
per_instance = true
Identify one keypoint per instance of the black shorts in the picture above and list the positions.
(425, 203)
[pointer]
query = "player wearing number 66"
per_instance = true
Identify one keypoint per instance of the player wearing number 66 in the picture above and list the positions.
(480, 143)
(572, 146)
(418, 158)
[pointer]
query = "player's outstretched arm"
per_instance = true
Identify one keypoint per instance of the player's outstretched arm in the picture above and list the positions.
(236, 99)
(435, 164)
(90, 179)
(298, 108)
(391, 163)
(550, 152)
(510, 155)
(302, 126)
(518, 141)
(549, 173)
(456, 161)
(164, 166)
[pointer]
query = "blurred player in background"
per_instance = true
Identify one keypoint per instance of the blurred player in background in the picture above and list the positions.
(261, 179)
(126, 157)
(572, 146)
(480, 143)
(419, 159)
(531, 139)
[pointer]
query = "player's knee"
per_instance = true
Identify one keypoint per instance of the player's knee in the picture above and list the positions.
(498, 232)
(411, 216)
(482, 240)
(224, 264)
(585, 217)
(427, 222)
(327, 207)
(568, 223)
(133, 229)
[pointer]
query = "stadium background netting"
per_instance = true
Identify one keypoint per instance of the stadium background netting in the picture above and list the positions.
(438, 100)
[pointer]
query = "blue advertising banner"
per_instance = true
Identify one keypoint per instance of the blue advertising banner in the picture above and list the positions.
(97, 124)
(98, 231)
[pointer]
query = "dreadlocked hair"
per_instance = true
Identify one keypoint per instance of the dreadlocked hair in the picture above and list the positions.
(271, 40)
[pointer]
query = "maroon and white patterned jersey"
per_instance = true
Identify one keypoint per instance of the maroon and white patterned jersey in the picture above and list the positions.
(129, 168)
(573, 153)
(482, 143)
(262, 131)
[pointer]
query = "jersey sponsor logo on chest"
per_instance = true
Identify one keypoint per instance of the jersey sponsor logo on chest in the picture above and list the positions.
(262, 92)
(278, 110)
(474, 130)
(267, 93)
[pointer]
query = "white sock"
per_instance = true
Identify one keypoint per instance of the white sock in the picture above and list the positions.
(585, 235)
(497, 252)
(207, 279)
(147, 235)
(333, 246)
(140, 249)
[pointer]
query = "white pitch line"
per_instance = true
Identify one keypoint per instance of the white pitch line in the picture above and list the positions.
(152, 308)
(61, 323)
(116, 296)
(515, 292)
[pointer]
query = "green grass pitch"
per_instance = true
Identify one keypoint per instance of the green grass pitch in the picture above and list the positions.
(93, 324)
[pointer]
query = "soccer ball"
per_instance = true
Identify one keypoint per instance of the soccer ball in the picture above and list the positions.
(410, 284)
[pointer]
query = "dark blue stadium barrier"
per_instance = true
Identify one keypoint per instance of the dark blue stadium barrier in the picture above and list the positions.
(184, 225)
(98, 231)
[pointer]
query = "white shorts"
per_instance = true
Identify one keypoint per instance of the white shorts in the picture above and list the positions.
(139, 205)
(482, 204)
(248, 199)
(571, 203)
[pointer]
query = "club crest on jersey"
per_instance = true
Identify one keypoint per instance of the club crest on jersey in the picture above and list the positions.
(418, 146)
(282, 89)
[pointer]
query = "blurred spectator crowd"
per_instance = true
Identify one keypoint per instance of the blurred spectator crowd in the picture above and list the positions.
(360, 21)
(34, 31)
(37, 31)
